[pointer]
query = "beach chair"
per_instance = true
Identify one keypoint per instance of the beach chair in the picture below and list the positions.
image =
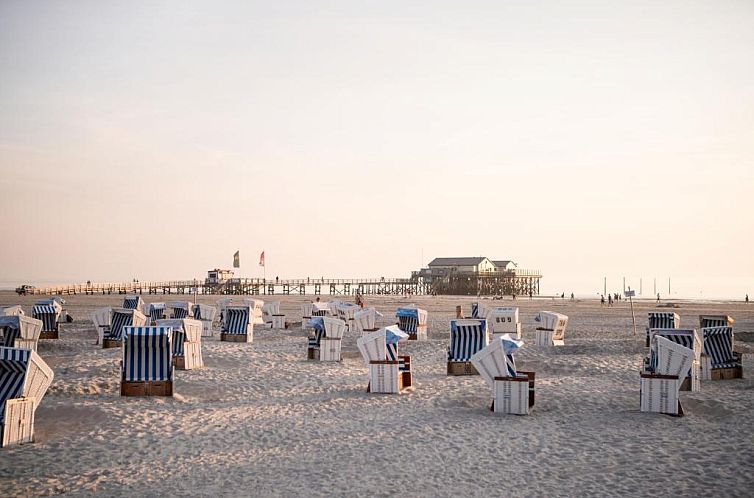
(502, 321)
(272, 316)
(389, 372)
(256, 306)
(306, 315)
(48, 311)
(707, 321)
(14, 310)
(120, 318)
(24, 379)
(412, 321)
(662, 320)
(237, 326)
(101, 319)
(187, 345)
(719, 361)
(205, 314)
(147, 366)
(365, 320)
(688, 338)
(20, 331)
(320, 309)
(551, 329)
(669, 366)
(325, 342)
(181, 309)
(133, 303)
(513, 391)
(156, 312)
(346, 312)
(467, 337)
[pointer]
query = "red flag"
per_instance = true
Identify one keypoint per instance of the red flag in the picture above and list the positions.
(261, 259)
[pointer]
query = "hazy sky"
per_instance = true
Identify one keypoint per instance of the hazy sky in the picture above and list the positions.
(154, 139)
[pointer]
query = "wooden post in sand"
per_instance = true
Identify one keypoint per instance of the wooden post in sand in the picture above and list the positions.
(630, 294)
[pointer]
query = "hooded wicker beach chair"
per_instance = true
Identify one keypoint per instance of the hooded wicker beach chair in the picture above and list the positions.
(551, 328)
(365, 320)
(412, 321)
(467, 337)
(133, 303)
(101, 319)
(147, 367)
(237, 324)
(512, 389)
(662, 320)
(719, 360)
(256, 306)
(667, 368)
(20, 331)
(48, 311)
(181, 309)
(688, 338)
(320, 309)
(120, 318)
(187, 345)
(502, 321)
(24, 379)
(14, 310)
(272, 316)
(157, 312)
(206, 314)
(389, 372)
(325, 343)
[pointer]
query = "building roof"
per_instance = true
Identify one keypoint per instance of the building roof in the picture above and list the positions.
(503, 263)
(457, 261)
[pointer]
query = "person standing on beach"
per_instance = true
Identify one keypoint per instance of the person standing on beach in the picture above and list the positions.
(609, 300)
(747, 299)
(658, 297)
(602, 299)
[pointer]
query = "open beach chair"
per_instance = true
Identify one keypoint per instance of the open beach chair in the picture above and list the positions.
(325, 343)
(147, 367)
(20, 331)
(320, 309)
(502, 321)
(513, 390)
(156, 312)
(707, 321)
(662, 320)
(668, 367)
(365, 320)
(551, 329)
(719, 361)
(181, 309)
(133, 303)
(14, 310)
(24, 379)
(48, 311)
(237, 326)
(120, 318)
(412, 321)
(688, 338)
(101, 319)
(467, 337)
(187, 345)
(256, 306)
(205, 314)
(389, 372)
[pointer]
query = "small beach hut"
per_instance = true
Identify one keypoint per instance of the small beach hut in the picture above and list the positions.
(48, 311)
(688, 338)
(551, 328)
(147, 366)
(669, 365)
(513, 390)
(120, 318)
(181, 309)
(325, 343)
(187, 345)
(389, 372)
(206, 314)
(24, 379)
(502, 320)
(413, 321)
(20, 331)
(237, 326)
(467, 337)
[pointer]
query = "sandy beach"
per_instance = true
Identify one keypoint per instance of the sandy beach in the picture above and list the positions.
(259, 420)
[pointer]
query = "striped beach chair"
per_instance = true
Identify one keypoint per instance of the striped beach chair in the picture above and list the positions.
(147, 368)
(389, 372)
(206, 314)
(719, 361)
(551, 328)
(503, 320)
(14, 310)
(467, 337)
(133, 303)
(119, 319)
(320, 309)
(479, 310)
(512, 389)
(101, 320)
(20, 331)
(48, 311)
(412, 321)
(325, 342)
(668, 367)
(181, 309)
(707, 321)
(687, 338)
(156, 312)
(365, 320)
(662, 320)
(24, 380)
(237, 326)
(187, 346)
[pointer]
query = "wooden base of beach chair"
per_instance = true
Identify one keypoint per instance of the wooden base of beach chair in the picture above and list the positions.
(278, 322)
(49, 334)
(461, 368)
(18, 426)
(386, 378)
(147, 388)
(659, 394)
(111, 343)
(530, 378)
(235, 337)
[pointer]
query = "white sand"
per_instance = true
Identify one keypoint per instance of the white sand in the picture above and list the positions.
(260, 420)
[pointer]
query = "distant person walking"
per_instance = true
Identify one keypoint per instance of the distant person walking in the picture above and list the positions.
(609, 300)
(747, 299)
(658, 297)
(602, 299)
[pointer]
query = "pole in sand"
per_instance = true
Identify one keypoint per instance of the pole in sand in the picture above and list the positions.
(630, 294)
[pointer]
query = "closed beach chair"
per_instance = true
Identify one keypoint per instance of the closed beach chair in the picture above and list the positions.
(412, 321)
(467, 337)
(389, 372)
(502, 321)
(719, 361)
(237, 326)
(306, 315)
(206, 314)
(256, 306)
(669, 365)
(181, 309)
(156, 312)
(20, 331)
(147, 367)
(48, 311)
(14, 310)
(24, 379)
(101, 320)
(325, 343)
(365, 320)
(551, 328)
(222, 304)
(120, 318)
(187, 346)
(687, 338)
(320, 309)
(133, 303)
(272, 316)
(512, 389)
(662, 320)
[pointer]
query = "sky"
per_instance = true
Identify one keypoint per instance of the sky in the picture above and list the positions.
(585, 139)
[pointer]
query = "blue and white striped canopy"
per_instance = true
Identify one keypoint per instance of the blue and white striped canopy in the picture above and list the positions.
(13, 366)
(147, 354)
(407, 313)
(393, 334)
